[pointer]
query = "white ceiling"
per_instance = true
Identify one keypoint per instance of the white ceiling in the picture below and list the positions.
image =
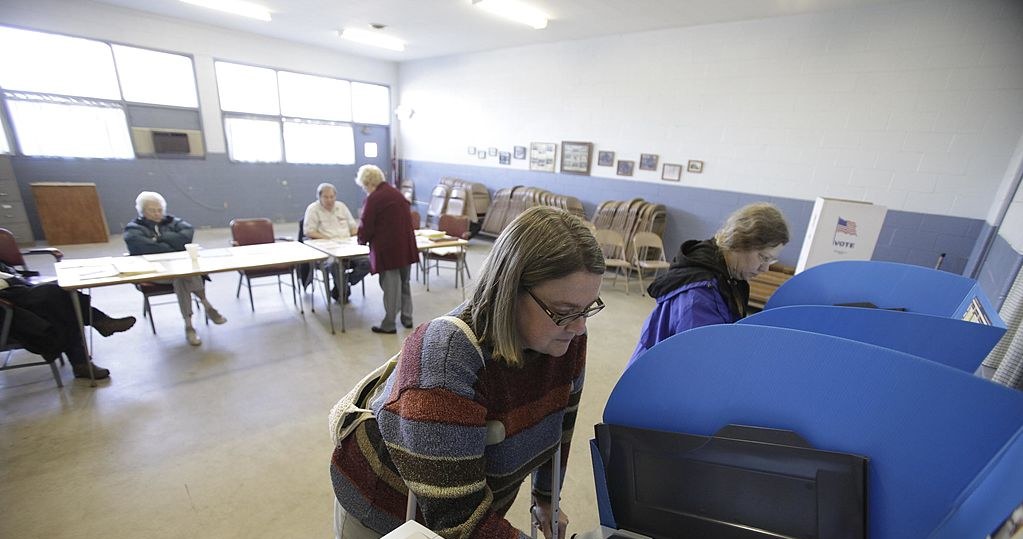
(445, 27)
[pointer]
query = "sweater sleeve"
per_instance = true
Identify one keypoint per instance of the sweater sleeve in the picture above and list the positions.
(542, 490)
(435, 431)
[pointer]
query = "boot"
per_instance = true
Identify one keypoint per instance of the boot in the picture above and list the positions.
(108, 326)
(82, 371)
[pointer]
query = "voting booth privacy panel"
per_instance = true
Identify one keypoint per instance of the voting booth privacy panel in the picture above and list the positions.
(888, 285)
(957, 343)
(840, 230)
(940, 442)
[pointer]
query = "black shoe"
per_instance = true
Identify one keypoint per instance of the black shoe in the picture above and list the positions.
(408, 325)
(376, 329)
(108, 326)
(334, 294)
(82, 371)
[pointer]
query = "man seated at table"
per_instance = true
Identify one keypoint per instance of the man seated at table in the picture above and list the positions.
(45, 322)
(329, 218)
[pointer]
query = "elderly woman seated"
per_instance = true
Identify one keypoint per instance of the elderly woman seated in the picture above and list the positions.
(153, 231)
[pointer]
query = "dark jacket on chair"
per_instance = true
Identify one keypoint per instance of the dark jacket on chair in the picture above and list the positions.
(44, 318)
(386, 225)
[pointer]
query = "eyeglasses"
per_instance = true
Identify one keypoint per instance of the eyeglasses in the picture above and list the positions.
(562, 320)
(766, 259)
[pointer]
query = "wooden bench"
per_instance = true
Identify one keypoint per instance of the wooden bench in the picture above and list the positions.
(763, 286)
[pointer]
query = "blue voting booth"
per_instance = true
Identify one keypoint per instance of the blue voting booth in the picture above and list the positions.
(943, 449)
(956, 343)
(888, 285)
(921, 311)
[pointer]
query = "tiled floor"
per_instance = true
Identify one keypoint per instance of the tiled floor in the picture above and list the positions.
(230, 439)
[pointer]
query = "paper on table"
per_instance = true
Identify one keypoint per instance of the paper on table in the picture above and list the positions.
(135, 266)
(166, 256)
(85, 262)
(96, 272)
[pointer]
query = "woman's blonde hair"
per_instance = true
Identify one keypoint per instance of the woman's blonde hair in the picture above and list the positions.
(369, 176)
(751, 228)
(541, 244)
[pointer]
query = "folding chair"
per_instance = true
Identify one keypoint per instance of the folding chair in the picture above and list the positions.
(254, 232)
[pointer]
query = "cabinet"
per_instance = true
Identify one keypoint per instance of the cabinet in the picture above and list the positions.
(70, 213)
(12, 209)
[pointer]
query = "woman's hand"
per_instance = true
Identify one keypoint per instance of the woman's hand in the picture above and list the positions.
(542, 516)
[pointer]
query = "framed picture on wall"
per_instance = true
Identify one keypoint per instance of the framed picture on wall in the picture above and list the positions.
(481, 154)
(576, 157)
(647, 161)
(492, 151)
(625, 167)
(605, 159)
(541, 156)
(520, 152)
(696, 167)
(472, 150)
(504, 158)
(671, 172)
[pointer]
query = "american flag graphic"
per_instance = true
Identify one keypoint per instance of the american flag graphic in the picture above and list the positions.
(846, 226)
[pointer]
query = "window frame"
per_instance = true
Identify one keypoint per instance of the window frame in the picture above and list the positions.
(122, 103)
(282, 118)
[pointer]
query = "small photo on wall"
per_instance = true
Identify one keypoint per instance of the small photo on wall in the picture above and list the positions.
(671, 172)
(472, 150)
(481, 154)
(696, 167)
(647, 161)
(492, 151)
(520, 152)
(625, 168)
(605, 159)
(504, 158)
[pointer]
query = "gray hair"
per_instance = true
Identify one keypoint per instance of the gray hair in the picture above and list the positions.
(752, 228)
(149, 196)
(541, 244)
(369, 176)
(325, 185)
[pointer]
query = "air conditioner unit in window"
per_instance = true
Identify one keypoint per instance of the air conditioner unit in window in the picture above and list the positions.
(152, 142)
(165, 142)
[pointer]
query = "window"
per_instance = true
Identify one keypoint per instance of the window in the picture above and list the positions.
(68, 96)
(158, 78)
(306, 96)
(371, 103)
(52, 64)
(319, 143)
(247, 89)
(70, 128)
(313, 115)
(253, 140)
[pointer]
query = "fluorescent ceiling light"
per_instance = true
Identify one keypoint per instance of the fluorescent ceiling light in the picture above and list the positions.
(515, 11)
(236, 7)
(374, 38)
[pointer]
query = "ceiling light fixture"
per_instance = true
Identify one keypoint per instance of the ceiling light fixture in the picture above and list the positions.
(375, 39)
(236, 7)
(515, 11)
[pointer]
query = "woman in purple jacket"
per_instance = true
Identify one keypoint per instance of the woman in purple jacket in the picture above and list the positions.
(707, 282)
(386, 225)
